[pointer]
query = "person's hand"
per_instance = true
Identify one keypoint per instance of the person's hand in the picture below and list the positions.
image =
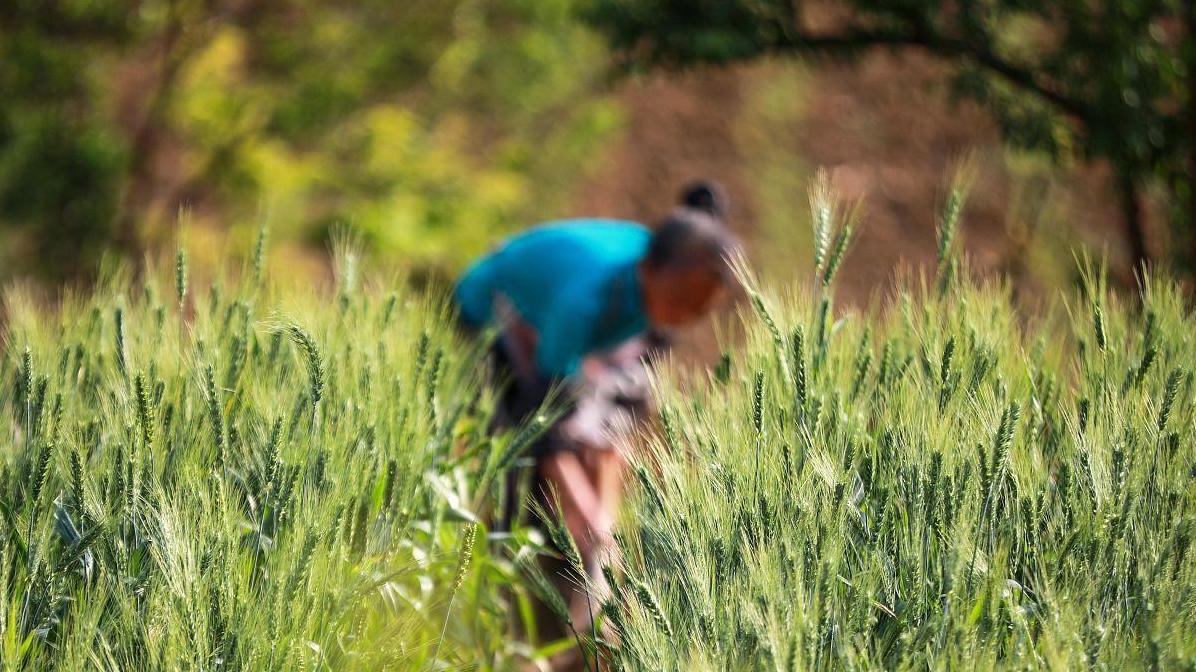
(606, 553)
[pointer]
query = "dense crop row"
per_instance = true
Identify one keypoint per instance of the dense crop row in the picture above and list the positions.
(940, 484)
(245, 479)
(256, 478)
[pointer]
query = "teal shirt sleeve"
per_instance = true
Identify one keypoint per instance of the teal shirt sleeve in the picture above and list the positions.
(564, 339)
(475, 292)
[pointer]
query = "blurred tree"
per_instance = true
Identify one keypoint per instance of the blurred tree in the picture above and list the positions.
(59, 164)
(426, 124)
(1106, 79)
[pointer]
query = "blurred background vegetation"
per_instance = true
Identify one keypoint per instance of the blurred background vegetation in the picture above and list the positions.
(430, 128)
(423, 125)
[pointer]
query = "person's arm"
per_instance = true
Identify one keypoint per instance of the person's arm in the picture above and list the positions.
(589, 520)
(518, 339)
(474, 293)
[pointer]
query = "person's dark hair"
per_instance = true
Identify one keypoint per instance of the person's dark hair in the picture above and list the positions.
(687, 236)
(707, 196)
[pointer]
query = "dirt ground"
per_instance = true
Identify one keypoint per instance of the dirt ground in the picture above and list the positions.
(889, 134)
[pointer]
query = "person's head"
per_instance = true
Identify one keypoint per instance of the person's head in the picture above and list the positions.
(685, 269)
(707, 196)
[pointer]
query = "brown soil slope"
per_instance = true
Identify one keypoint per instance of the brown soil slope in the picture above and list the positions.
(888, 132)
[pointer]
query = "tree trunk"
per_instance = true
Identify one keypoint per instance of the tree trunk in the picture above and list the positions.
(1135, 232)
(139, 179)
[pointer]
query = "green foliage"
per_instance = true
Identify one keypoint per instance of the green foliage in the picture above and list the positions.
(431, 127)
(1110, 79)
(59, 176)
(999, 493)
(250, 478)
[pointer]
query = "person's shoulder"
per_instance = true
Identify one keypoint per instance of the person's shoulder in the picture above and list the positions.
(577, 228)
(613, 241)
(577, 250)
(584, 227)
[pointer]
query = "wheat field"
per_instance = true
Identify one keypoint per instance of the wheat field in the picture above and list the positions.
(940, 483)
(254, 476)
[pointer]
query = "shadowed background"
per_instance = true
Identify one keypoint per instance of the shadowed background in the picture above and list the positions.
(429, 129)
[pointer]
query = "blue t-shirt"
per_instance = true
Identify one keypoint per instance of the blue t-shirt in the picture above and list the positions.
(574, 281)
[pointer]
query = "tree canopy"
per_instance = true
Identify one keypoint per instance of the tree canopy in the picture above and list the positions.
(423, 124)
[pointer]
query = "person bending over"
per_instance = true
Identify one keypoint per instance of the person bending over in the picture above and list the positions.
(578, 304)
